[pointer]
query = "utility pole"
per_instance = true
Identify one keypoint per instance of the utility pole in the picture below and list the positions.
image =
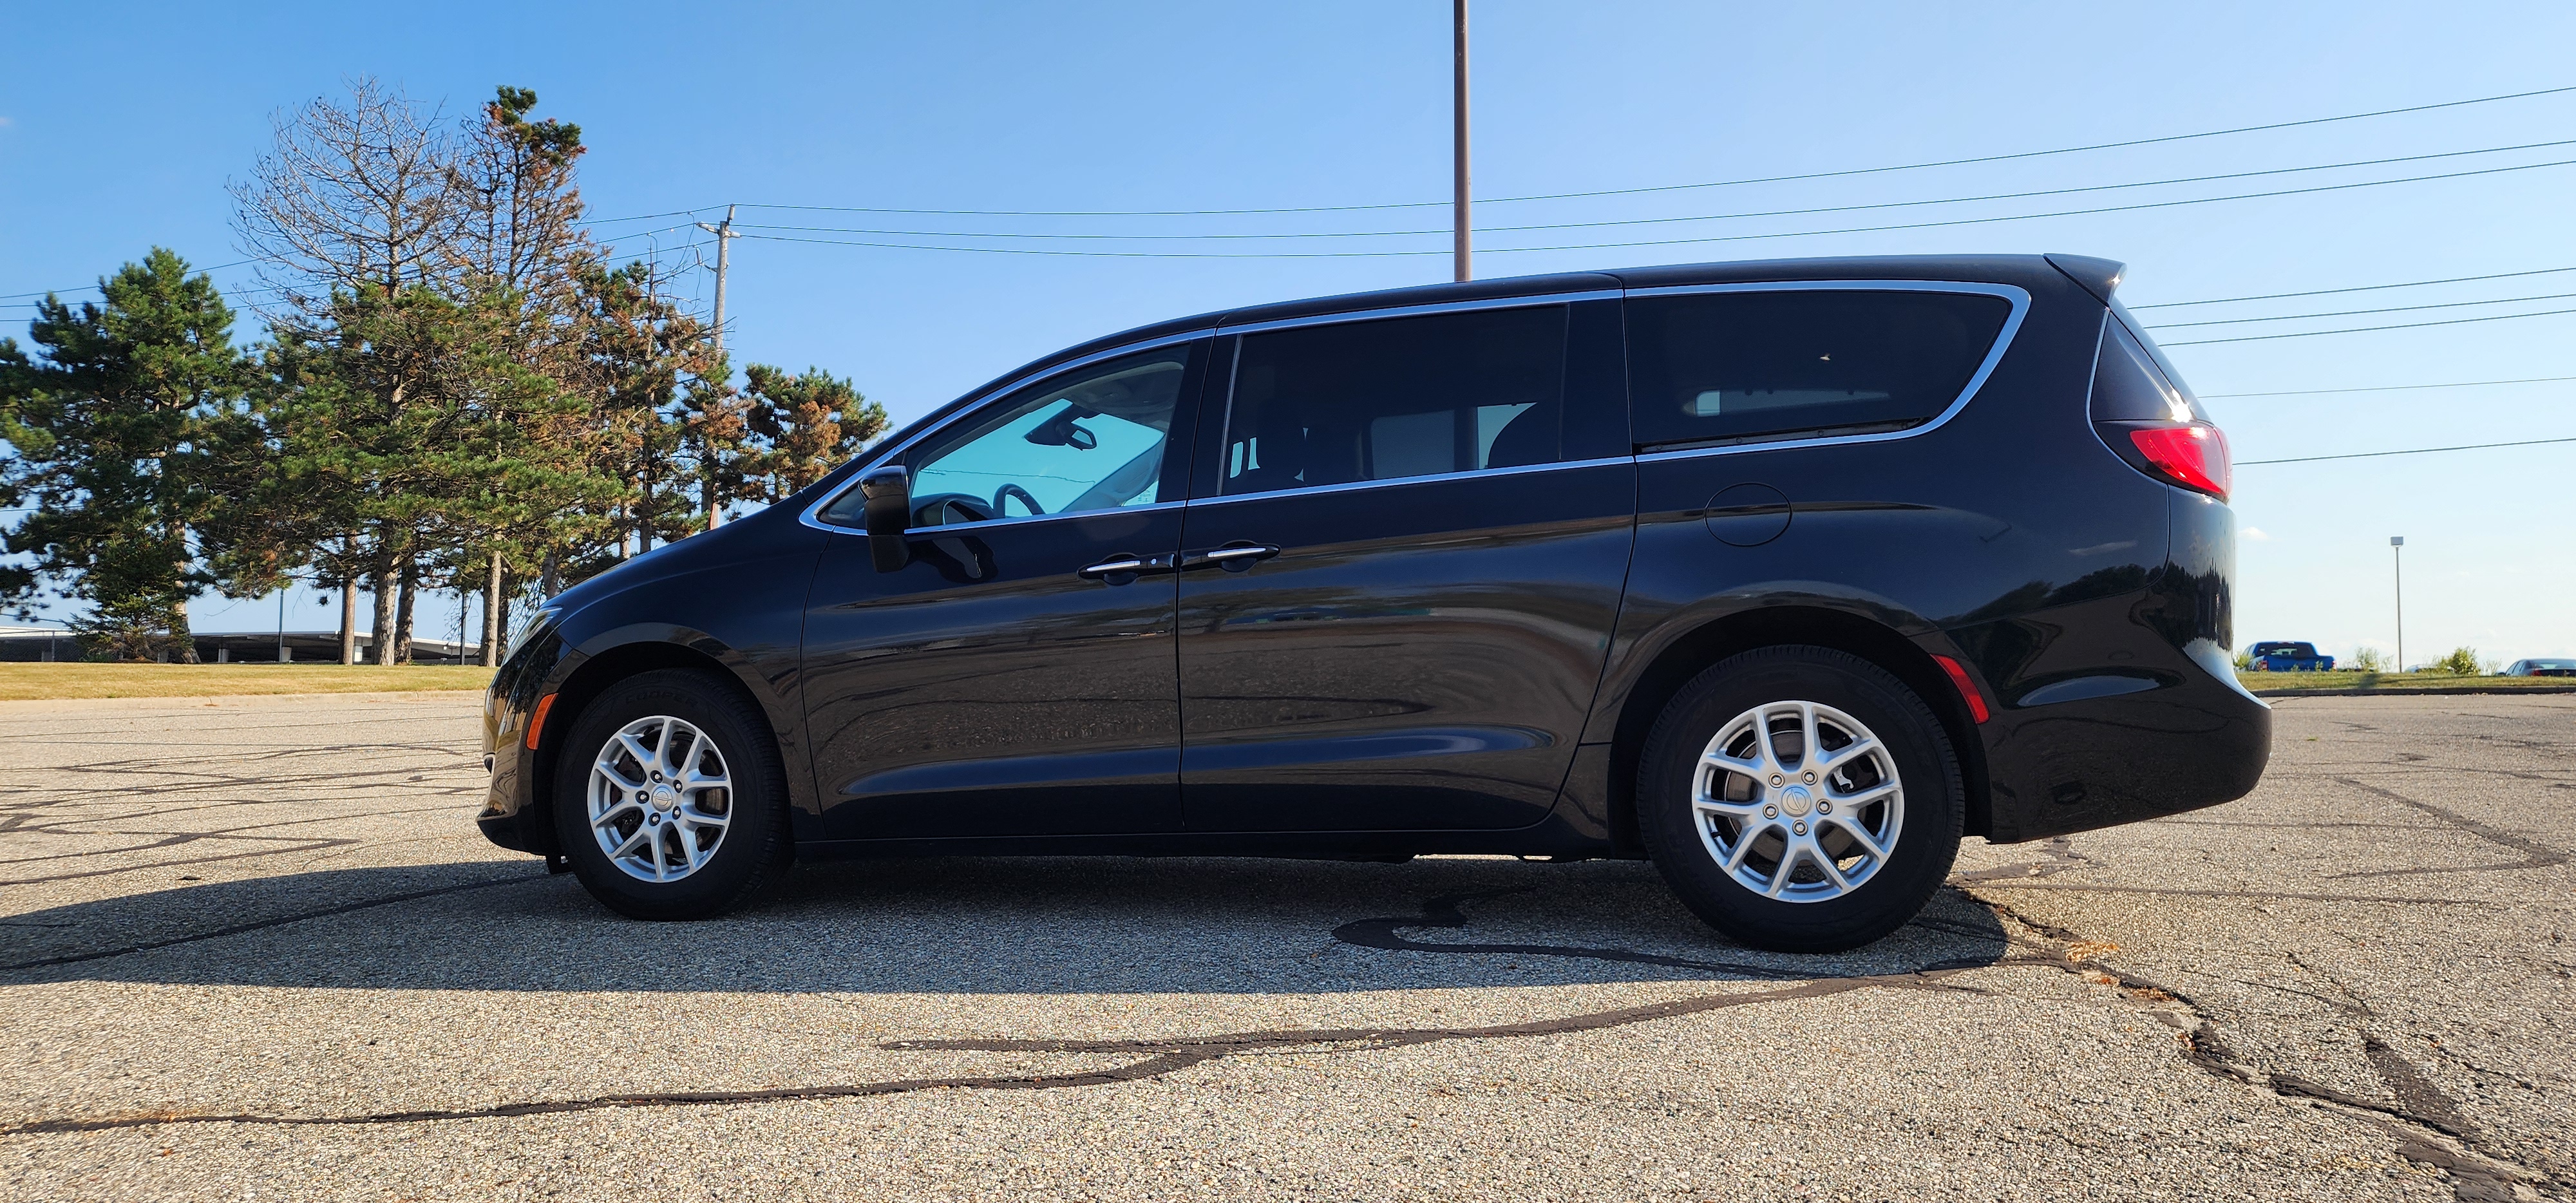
(2397, 553)
(724, 244)
(282, 657)
(1458, 138)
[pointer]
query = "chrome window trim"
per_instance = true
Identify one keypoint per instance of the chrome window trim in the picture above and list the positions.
(935, 531)
(1392, 481)
(812, 515)
(1531, 301)
(2019, 297)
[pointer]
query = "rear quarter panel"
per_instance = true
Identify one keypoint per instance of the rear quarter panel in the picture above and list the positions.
(2009, 513)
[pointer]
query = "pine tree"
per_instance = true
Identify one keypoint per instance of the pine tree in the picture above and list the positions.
(124, 428)
(810, 424)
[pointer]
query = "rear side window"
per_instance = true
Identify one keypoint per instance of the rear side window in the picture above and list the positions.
(1729, 366)
(2131, 384)
(1384, 400)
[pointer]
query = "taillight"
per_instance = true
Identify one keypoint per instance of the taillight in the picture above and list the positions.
(2194, 456)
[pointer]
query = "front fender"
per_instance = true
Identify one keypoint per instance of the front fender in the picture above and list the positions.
(739, 617)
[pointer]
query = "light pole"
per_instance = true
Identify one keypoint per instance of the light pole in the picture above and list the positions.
(1458, 138)
(2397, 554)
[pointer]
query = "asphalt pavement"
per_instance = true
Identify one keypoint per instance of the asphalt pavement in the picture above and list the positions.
(253, 948)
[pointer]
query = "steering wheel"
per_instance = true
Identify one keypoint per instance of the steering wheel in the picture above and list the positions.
(1013, 490)
(930, 510)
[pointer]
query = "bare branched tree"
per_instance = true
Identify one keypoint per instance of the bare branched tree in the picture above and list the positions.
(355, 192)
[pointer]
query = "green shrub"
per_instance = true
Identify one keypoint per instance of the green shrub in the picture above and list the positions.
(2462, 662)
(2370, 660)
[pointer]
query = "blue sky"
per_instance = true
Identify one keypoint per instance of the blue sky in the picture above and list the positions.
(119, 129)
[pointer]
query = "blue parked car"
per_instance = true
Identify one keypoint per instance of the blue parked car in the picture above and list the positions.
(2289, 658)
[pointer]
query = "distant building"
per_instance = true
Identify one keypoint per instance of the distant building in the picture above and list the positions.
(24, 644)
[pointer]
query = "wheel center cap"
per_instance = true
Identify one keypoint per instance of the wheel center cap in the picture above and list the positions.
(1797, 801)
(664, 799)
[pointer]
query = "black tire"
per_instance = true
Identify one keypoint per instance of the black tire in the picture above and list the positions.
(754, 848)
(1927, 772)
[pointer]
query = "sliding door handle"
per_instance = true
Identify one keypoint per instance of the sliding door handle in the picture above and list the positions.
(1233, 557)
(1120, 569)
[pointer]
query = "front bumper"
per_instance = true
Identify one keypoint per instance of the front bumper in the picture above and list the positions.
(510, 816)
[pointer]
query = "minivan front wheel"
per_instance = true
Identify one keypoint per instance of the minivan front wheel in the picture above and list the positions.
(1800, 799)
(668, 798)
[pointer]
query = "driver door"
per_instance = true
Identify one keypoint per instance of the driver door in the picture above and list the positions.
(1001, 683)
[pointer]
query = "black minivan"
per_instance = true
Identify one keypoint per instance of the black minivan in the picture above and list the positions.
(1785, 575)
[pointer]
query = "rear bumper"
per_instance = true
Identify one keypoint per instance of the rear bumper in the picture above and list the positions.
(2197, 739)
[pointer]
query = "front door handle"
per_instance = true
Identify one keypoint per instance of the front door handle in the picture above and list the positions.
(1120, 569)
(1233, 557)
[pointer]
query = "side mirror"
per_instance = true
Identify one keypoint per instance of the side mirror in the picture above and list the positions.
(887, 492)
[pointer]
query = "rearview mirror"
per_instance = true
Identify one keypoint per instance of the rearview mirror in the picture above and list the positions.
(887, 492)
(1060, 431)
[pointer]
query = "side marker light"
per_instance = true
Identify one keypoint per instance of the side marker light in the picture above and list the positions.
(1958, 676)
(537, 718)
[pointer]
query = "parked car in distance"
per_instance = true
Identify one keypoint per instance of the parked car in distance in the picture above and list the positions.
(1782, 575)
(2541, 668)
(2288, 657)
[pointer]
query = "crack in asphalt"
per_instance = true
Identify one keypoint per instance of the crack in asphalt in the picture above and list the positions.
(1169, 1056)
(2436, 1135)
(1163, 1057)
(276, 921)
(2440, 1135)
(2536, 855)
(2426, 1125)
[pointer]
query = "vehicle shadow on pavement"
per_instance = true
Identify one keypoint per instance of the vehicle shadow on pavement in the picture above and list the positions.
(957, 925)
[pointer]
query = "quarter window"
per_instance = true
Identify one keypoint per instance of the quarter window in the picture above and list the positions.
(1727, 366)
(1396, 398)
(2131, 385)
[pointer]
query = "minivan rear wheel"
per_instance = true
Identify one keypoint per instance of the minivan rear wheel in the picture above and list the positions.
(669, 798)
(1800, 799)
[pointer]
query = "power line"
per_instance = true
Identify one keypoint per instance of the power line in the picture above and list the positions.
(2310, 459)
(2142, 205)
(6, 298)
(2387, 388)
(235, 294)
(1774, 179)
(1593, 246)
(2457, 321)
(46, 292)
(2292, 317)
(2319, 292)
(1648, 221)
(604, 221)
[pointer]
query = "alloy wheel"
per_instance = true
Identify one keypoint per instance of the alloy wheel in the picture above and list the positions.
(1798, 801)
(661, 798)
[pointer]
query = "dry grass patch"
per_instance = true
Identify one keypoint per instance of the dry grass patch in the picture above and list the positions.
(41, 682)
(2262, 682)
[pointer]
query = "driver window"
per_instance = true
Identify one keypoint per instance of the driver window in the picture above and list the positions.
(1087, 440)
